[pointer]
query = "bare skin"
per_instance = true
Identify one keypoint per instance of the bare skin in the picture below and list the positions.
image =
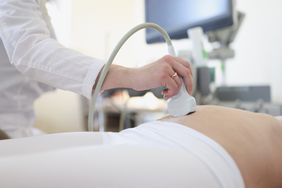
(253, 140)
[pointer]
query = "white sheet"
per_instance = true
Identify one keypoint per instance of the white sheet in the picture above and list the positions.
(157, 155)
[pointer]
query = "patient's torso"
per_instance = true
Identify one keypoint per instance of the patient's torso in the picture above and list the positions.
(251, 139)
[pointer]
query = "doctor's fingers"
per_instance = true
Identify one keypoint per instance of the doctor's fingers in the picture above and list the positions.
(172, 87)
(184, 72)
(172, 74)
(172, 59)
(184, 63)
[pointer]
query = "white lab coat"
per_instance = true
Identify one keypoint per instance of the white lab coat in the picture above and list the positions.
(31, 61)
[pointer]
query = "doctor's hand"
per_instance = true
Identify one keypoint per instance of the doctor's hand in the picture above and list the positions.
(167, 72)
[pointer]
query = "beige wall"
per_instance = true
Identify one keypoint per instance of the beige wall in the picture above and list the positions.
(59, 111)
(98, 25)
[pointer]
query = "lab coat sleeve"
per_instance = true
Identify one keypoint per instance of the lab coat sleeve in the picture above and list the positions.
(32, 50)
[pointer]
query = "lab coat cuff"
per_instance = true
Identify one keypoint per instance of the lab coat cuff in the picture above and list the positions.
(91, 77)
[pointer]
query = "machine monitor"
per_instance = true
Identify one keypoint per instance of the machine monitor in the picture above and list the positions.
(176, 17)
